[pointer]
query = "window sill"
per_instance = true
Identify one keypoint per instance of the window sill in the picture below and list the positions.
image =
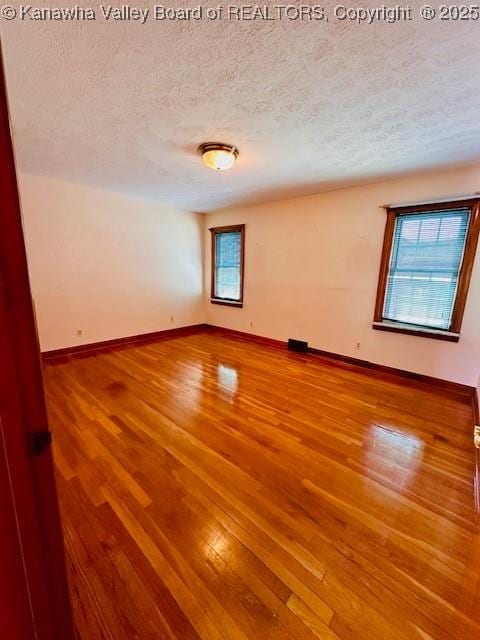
(423, 332)
(227, 303)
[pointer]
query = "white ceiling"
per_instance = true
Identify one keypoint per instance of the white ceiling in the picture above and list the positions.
(311, 105)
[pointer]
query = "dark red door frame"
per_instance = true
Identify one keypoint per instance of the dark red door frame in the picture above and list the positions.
(22, 412)
(15, 611)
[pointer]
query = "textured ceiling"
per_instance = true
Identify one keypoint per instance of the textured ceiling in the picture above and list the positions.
(311, 105)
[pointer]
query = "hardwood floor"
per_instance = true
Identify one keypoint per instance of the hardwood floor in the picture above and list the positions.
(219, 489)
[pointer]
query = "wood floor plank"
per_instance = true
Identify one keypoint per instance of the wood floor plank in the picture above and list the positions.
(213, 488)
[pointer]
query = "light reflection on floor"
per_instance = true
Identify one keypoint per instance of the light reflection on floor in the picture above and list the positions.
(392, 448)
(191, 378)
(227, 379)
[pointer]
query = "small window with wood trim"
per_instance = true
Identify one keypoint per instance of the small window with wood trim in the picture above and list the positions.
(427, 260)
(228, 251)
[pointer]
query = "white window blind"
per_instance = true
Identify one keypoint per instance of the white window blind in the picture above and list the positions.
(227, 265)
(427, 254)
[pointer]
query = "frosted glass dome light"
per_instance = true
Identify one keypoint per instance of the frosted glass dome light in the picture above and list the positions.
(218, 156)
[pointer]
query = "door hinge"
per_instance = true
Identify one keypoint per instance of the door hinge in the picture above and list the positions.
(40, 440)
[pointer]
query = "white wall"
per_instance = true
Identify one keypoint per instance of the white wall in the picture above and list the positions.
(109, 265)
(115, 266)
(311, 272)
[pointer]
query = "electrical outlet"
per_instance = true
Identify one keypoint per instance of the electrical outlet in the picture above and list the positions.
(357, 346)
(172, 318)
(251, 324)
(79, 332)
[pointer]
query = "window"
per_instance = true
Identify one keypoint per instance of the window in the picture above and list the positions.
(228, 247)
(427, 260)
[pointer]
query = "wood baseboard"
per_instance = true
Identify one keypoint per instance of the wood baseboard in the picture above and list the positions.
(357, 364)
(476, 482)
(243, 335)
(118, 343)
(333, 358)
(475, 407)
(350, 362)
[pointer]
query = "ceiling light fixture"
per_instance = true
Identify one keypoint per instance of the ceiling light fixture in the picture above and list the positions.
(218, 156)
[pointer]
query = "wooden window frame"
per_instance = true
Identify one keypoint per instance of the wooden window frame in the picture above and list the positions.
(471, 241)
(229, 302)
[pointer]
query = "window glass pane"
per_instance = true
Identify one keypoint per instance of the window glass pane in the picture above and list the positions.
(228, 263)
(427, 254)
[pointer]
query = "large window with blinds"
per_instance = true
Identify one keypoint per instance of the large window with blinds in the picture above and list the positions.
(426, 264)
(228, 249)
